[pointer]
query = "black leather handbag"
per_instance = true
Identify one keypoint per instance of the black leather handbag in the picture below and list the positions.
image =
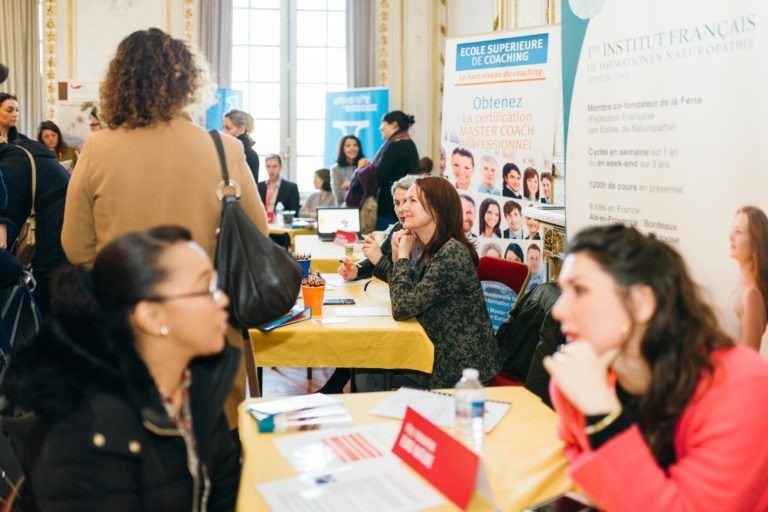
(260, 277)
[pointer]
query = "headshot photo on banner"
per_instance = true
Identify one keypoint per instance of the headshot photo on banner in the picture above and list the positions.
(680, 157)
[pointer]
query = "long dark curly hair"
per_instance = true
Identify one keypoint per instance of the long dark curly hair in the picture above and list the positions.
(150, 80)
(680, 336)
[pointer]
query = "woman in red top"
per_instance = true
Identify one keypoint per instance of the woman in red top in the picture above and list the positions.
(659, 410)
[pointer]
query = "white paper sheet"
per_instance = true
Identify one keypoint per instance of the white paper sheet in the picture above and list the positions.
(375, 485)
(363, 311)
(328, 449)
(436, 407)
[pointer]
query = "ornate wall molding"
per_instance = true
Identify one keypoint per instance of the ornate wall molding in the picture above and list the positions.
(49, 57)
(383, 42)
(189, 20)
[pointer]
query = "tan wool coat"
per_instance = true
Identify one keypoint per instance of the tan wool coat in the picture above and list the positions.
(131, 180)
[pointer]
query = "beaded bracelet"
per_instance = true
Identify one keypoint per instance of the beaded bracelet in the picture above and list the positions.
(604, 422)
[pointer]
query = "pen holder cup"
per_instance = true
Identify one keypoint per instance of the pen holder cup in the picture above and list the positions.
(313, 297)
(305, 265)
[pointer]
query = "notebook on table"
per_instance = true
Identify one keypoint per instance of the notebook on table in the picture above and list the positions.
(330, 220)
(435, 406)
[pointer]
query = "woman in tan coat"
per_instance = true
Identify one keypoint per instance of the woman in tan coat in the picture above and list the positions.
(152, 165)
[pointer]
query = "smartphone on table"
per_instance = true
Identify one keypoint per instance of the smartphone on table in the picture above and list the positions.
(338, 301)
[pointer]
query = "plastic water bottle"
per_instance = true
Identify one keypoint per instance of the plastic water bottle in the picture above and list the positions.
(470, 409)
(279, 213)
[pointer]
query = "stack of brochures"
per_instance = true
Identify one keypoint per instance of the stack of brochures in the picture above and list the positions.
(296, 314)
(305, 412)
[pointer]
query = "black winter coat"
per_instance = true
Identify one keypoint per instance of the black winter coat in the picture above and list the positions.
(102, 440)
(251, 157)
(51, 191)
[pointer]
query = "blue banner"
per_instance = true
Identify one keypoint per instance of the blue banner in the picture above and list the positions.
(226, 100)
(354, 112)
(502, 53)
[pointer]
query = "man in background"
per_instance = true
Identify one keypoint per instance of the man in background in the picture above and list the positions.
(277, 190)
(489, 171)
(534, 262)
(513, 213)
(510, 173)
(3, 72)
(468, 216)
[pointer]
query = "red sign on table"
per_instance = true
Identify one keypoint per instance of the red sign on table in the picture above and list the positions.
(446, 463)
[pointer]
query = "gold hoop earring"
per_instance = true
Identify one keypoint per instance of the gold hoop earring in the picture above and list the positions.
(164, 331)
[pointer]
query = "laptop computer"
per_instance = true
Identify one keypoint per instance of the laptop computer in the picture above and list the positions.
(330, 220)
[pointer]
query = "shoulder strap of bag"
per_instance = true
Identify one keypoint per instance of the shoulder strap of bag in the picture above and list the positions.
(33, 170)
(226, 183)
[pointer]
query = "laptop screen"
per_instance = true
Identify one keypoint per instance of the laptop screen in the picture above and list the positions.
(330, 220)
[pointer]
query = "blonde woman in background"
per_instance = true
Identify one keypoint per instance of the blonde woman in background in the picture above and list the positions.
(749, 247)
(239, 124)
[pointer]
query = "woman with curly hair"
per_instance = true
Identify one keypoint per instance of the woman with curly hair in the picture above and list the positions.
(49, 134)
(150, 165)
(659, 409)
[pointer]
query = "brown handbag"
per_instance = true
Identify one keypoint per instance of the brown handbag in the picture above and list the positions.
(24, 245)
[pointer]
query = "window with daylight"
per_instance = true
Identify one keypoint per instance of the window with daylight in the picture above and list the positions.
(285, 56)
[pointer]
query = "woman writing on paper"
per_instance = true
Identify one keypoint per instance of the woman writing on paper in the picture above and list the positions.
(127, 380)
(649, 390)
(50, 135)
(378, 258)
(377, 263)
(434, 279)
(749, 247)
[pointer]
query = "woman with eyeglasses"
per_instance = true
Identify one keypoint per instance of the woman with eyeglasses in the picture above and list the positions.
(127, 381)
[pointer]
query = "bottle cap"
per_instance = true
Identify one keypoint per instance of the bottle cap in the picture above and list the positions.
(470, 373)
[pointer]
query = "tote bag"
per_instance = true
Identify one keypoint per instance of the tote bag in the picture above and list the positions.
(25, 243)
(260, 277)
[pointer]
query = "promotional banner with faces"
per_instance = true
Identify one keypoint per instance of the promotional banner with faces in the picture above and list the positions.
(499, 120)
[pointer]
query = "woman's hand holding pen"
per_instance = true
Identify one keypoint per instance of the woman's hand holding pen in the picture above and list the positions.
(347, 270)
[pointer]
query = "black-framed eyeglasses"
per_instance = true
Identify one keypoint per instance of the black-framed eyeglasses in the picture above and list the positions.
(213, 291)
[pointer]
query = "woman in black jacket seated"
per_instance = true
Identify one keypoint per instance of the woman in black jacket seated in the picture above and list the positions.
(127, 380)
(377, 263)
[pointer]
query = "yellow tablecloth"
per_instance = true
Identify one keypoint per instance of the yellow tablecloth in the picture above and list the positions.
(361, 342)
(523, 455)
(325, 255)
(275, 229)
